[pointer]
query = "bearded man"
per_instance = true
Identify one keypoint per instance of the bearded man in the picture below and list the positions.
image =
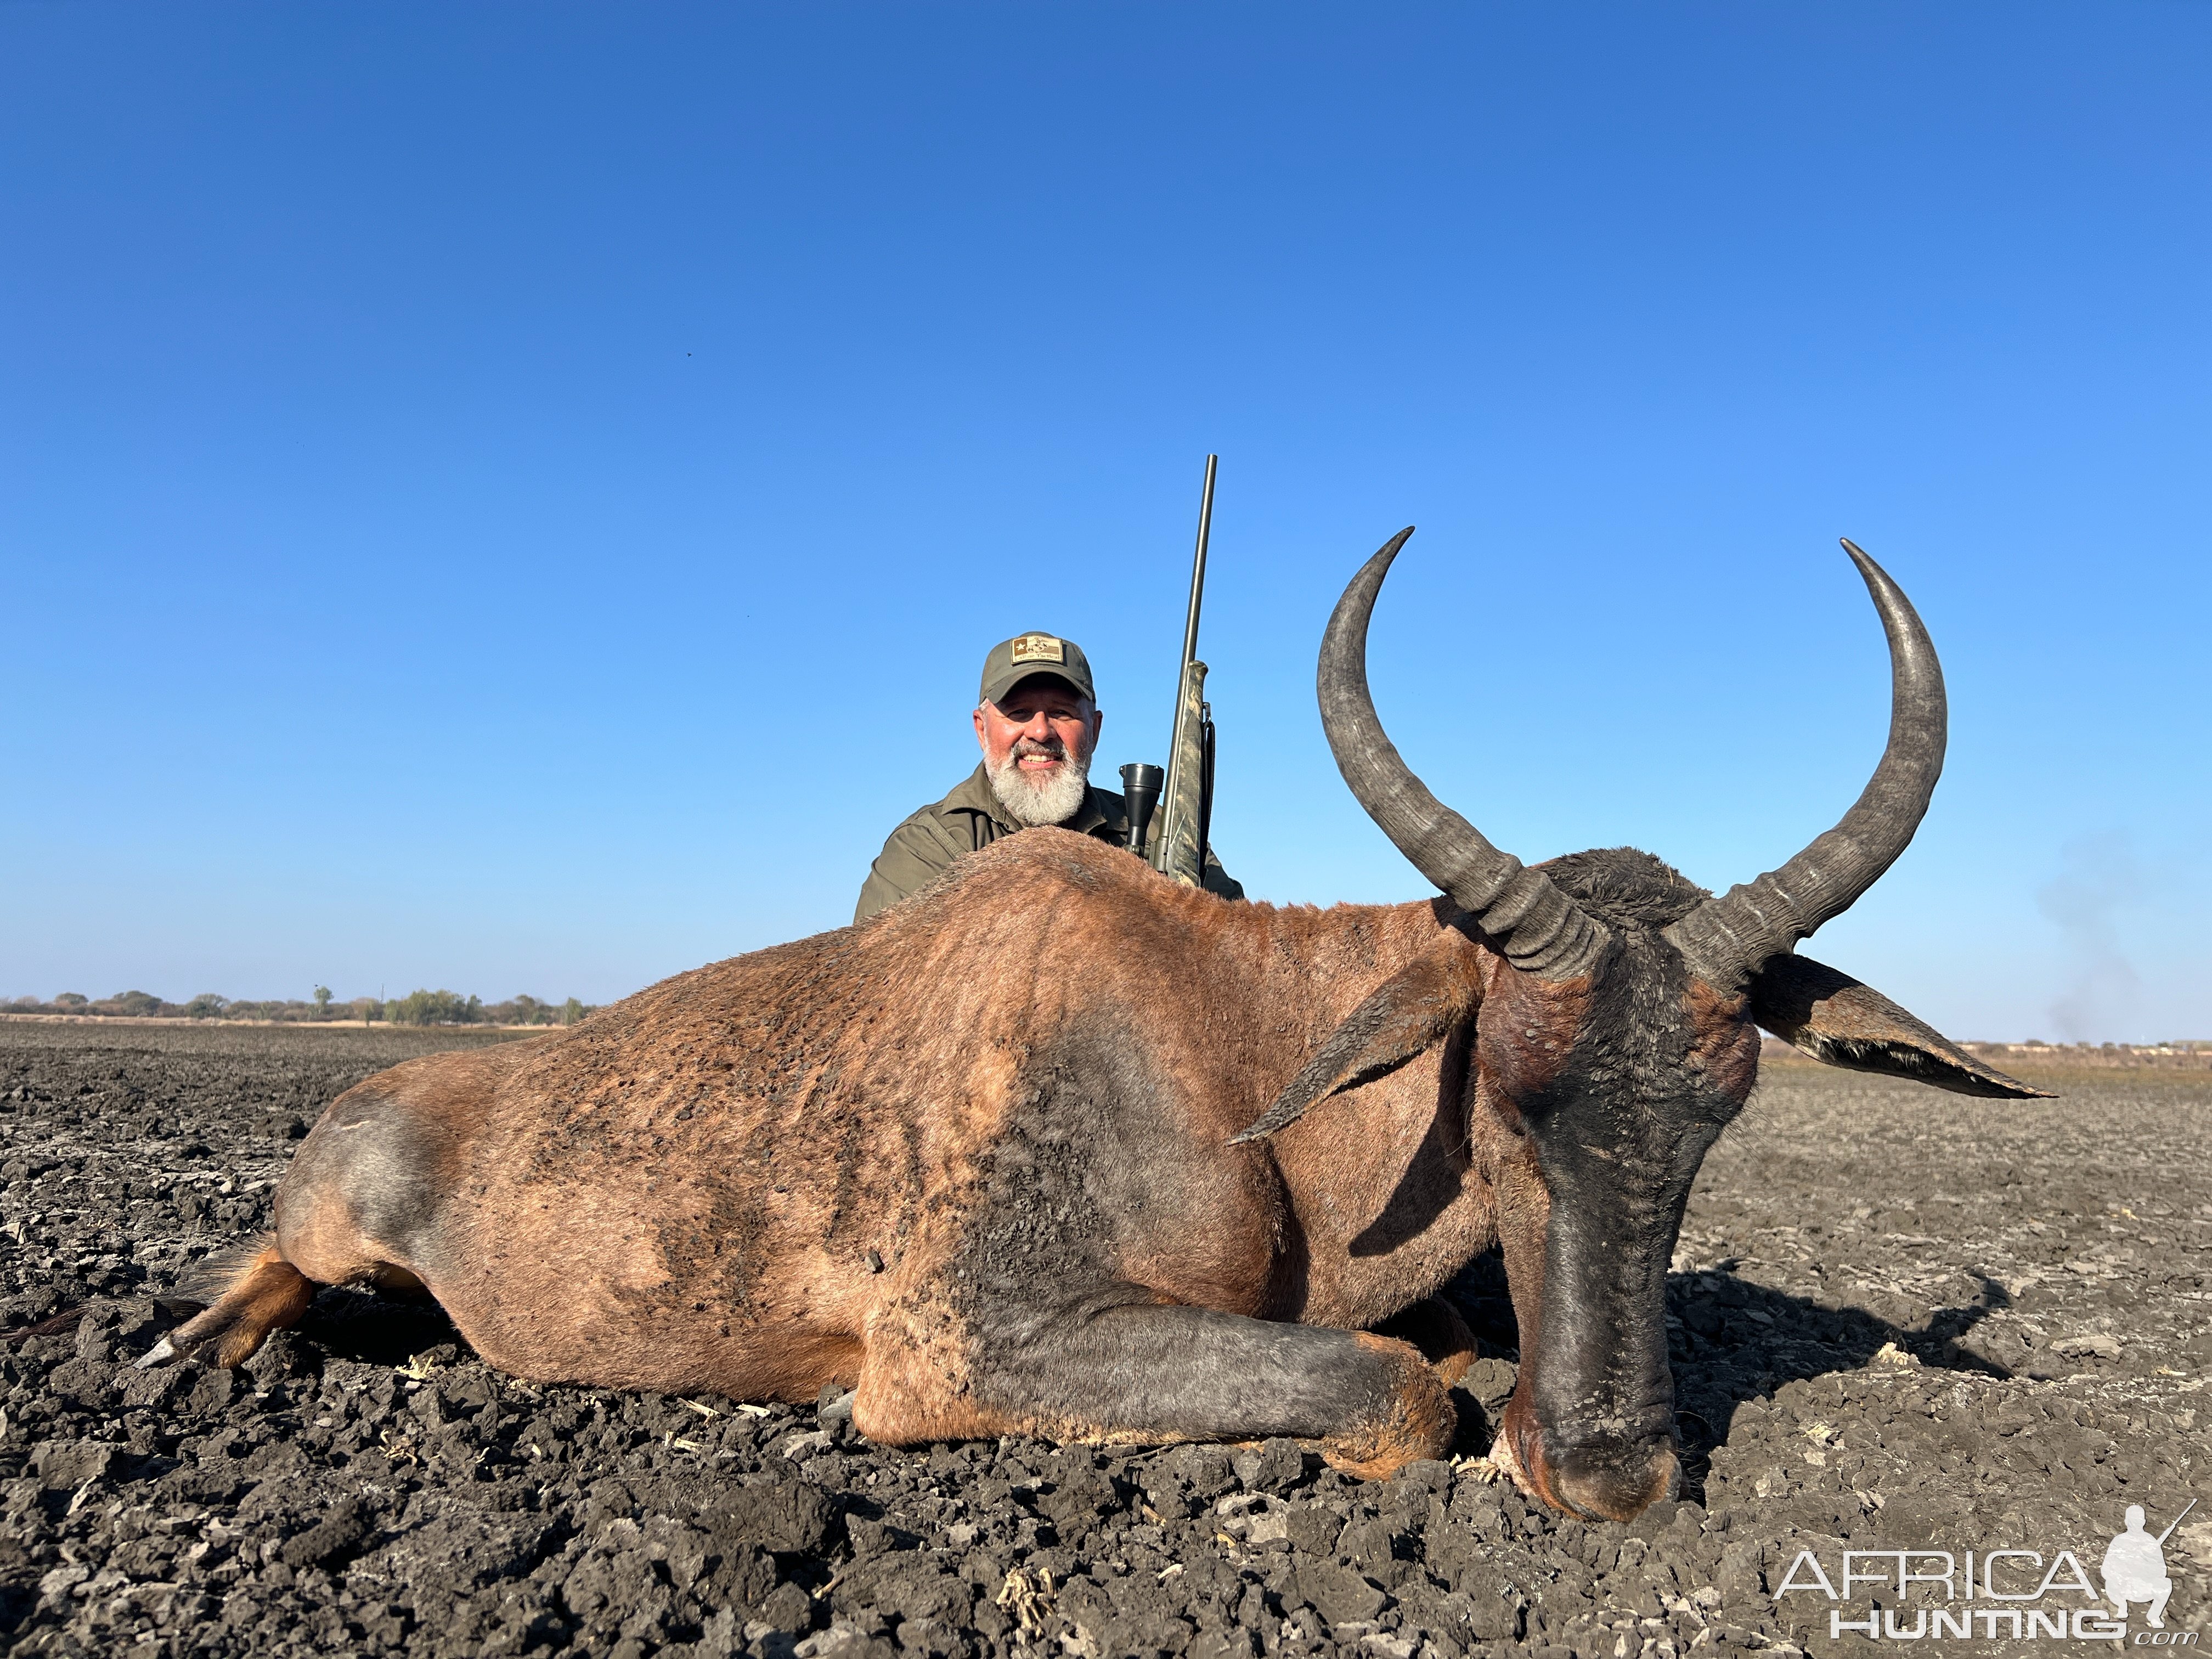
(1037, 722)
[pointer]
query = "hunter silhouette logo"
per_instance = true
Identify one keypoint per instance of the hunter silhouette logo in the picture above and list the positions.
(2007, 1593)
(2135, 1567)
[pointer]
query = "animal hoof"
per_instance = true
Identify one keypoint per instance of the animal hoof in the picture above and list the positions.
(155, 1355)
(1417, 1420)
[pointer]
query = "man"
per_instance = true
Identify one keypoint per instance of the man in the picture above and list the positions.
(1037, 722)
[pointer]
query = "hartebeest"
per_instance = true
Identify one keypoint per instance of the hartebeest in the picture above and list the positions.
(1058, 1147)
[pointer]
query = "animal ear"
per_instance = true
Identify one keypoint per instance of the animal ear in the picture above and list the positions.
(1834, 1017)
(1408, 1013)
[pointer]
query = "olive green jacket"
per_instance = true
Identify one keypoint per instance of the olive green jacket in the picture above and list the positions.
(970, 819)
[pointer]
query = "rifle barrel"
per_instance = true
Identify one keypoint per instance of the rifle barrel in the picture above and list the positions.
(2176, 1521)
(1198, 564)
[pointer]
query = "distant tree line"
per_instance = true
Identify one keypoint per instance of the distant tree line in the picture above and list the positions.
(416, 1008)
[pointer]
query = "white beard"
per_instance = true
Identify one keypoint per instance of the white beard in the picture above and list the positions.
(1052, 801)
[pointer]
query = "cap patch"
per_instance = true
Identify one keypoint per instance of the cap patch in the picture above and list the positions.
(1039, 647)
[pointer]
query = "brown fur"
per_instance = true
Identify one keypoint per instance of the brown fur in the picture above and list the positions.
(1419, 1423)
(684, 1193)
(974, 1157)
(268, 1294)
(1436, 1329)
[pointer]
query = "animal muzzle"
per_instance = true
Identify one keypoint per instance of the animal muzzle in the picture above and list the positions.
(1596, 1477)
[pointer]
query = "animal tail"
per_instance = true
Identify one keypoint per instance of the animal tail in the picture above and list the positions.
(254, 1290)
(205, 1280)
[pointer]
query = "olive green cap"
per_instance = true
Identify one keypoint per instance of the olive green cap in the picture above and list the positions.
(1011, 661)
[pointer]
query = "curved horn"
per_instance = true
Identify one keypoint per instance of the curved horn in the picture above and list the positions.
(1727, 940)
(1537, 926)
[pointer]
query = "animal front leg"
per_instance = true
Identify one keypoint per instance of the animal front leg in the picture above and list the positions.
(1114, 1368)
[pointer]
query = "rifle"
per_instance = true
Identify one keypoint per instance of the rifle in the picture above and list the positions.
(2176, 1521)
(1186, 804)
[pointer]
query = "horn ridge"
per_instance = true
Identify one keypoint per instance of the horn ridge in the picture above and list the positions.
(1728, 939)
(1535, 925)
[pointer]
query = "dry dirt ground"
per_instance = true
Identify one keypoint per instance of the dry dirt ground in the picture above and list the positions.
(1904, 1321)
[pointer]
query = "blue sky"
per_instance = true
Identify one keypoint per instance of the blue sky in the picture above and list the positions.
(514, 498)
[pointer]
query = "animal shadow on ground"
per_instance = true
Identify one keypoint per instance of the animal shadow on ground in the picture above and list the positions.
(1731, 1340)
(377, 1329)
